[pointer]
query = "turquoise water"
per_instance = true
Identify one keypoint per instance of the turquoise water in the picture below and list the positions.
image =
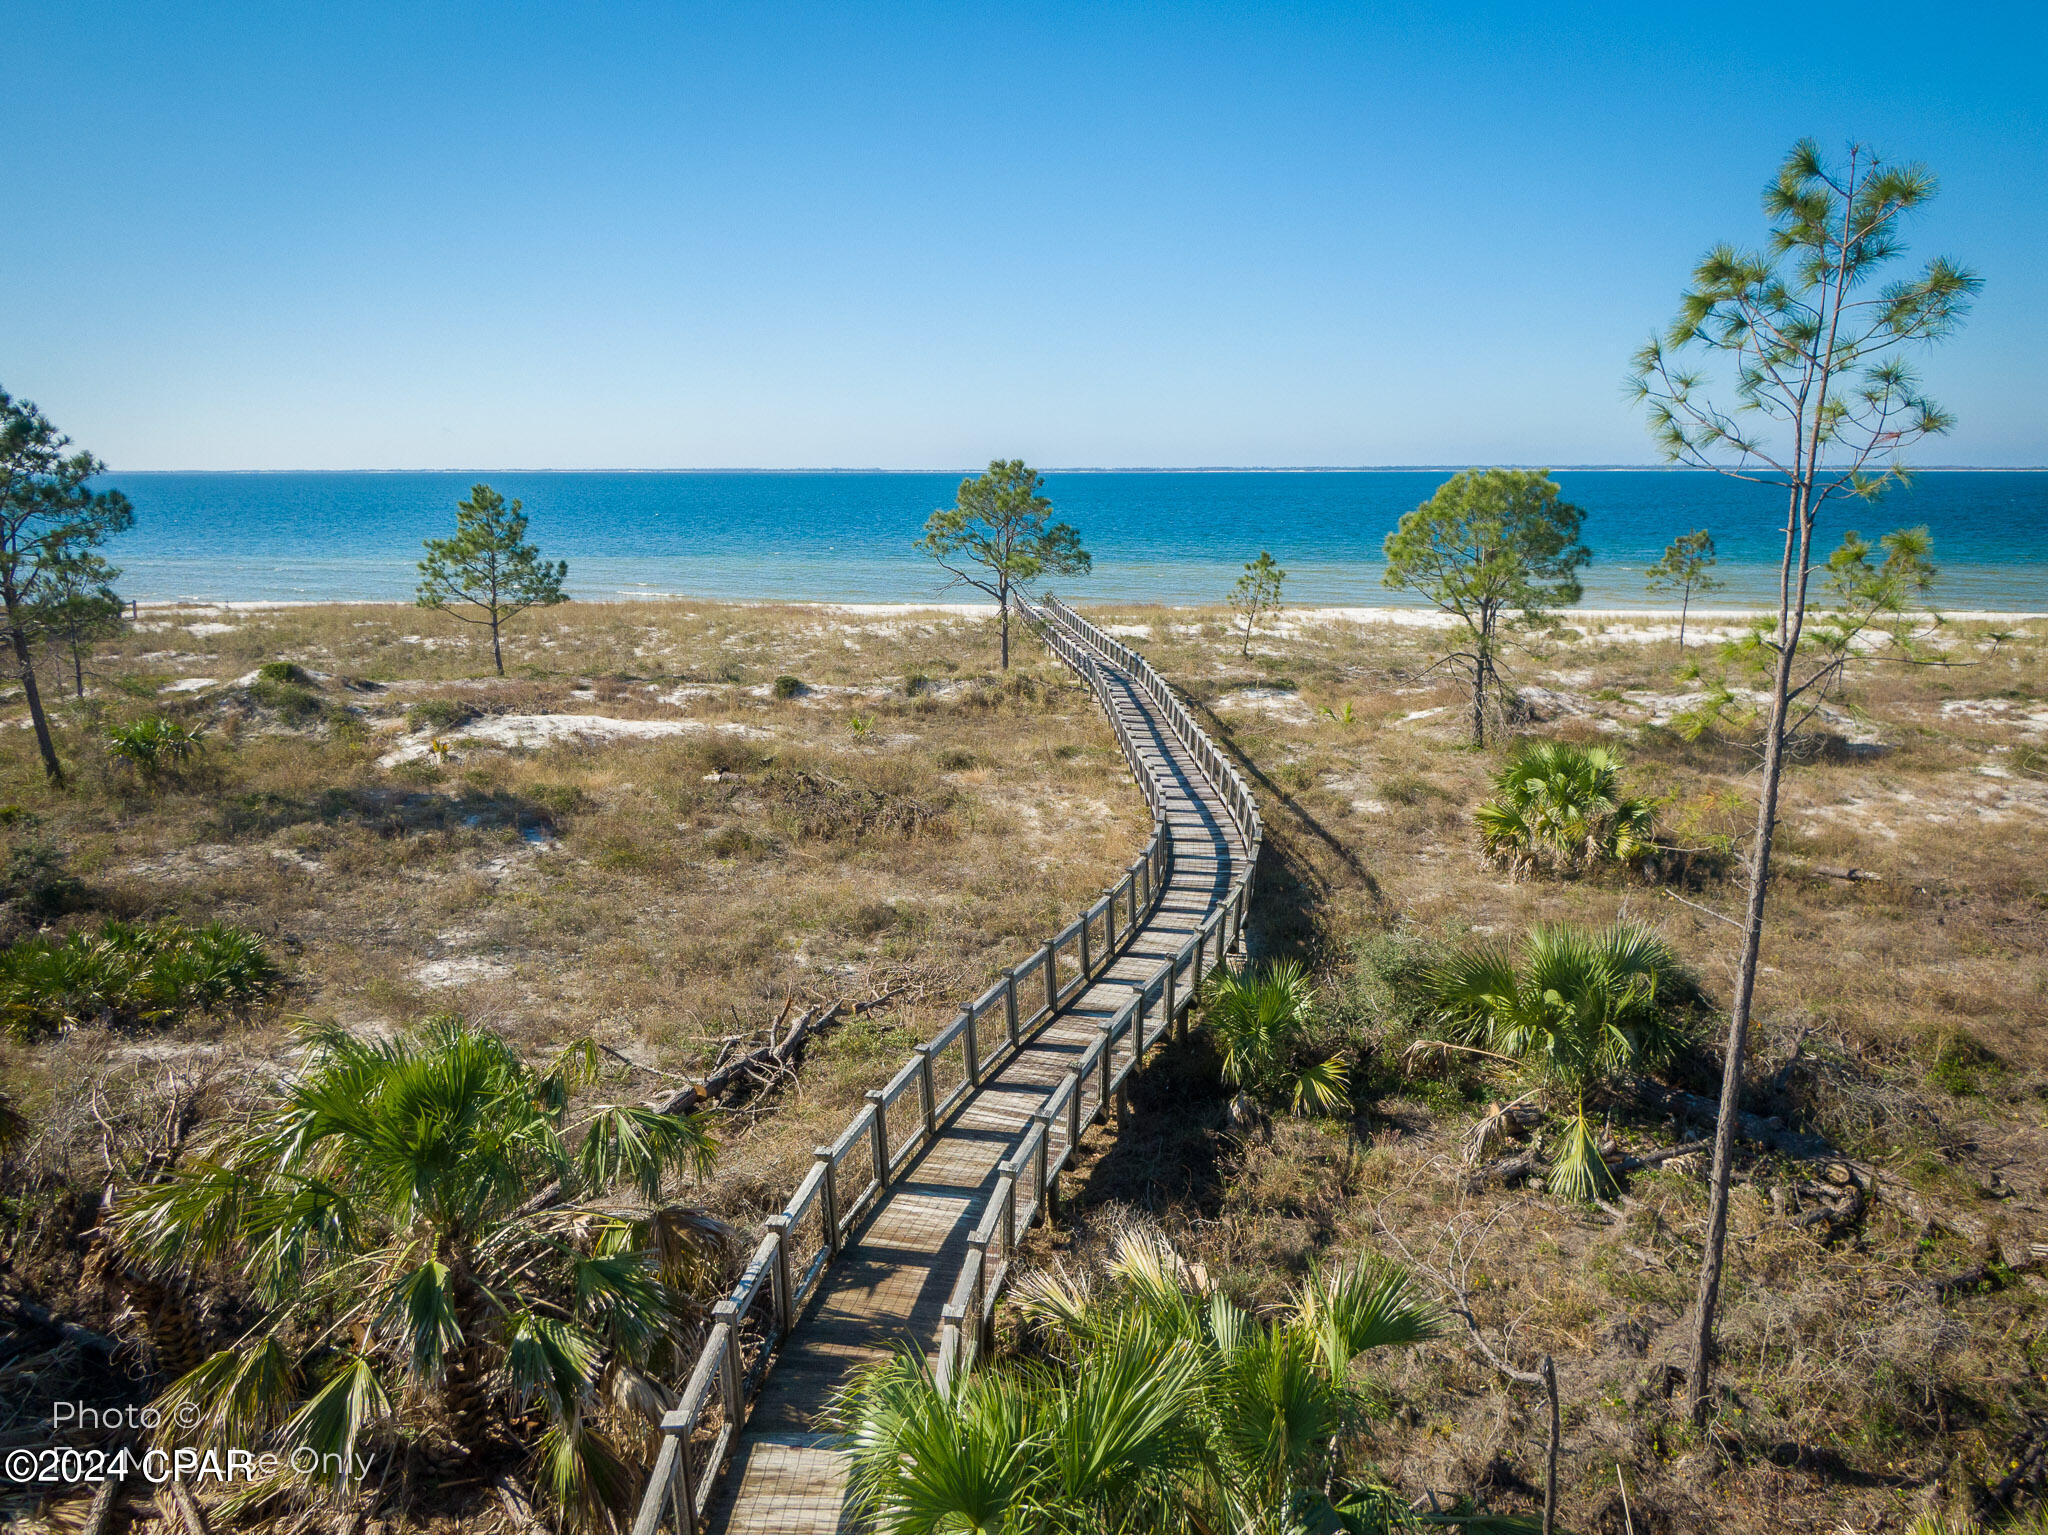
(1156, 536)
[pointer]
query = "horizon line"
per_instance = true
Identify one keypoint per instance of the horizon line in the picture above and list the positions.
(1614, 468)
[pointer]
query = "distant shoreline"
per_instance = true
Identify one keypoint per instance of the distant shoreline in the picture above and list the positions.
(1391, 613)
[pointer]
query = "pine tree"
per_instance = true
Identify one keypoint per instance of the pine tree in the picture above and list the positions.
(49, 514)
(1686, 568)
(489, 566)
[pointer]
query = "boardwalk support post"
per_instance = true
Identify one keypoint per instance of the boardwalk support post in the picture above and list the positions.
(1074, 1112)
(972, 1035)
(927, 1095)
(829, 1192)
(731, 1388)
(1047, 1178)
(785, 1290)
(878, 1137)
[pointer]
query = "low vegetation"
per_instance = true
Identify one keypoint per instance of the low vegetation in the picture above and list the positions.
(1152, 1401)
(427, 839)
(1559, 807)
(437, 1261)
(126, 974)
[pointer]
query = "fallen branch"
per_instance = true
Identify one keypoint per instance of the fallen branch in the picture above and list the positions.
(17, 1310)
(180, 1510)
(775, 1056)
(518, 1507)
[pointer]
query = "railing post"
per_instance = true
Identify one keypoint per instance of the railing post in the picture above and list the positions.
(1052, 977)
(1074, 1113)
(1109, 900)
(1108, 1072)
(927, 1095)
(1010, 1006)
(785, 1288)
(1046, 1176)
(1006, 1191)
(829, 1192)
(951, 1331)
(978, 1245)
(685, 1486)
(878, 1137)
(1086, 973)
(1173, 1028)
(731, 1388)
(969, 1033)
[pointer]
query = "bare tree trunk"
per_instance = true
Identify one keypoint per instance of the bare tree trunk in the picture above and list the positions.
(1684, 606)
(1003, 609)
(1548, 1370)
(1479, 700)
(1791, 616)
(18, 638)
(77, 668)
(497, 655)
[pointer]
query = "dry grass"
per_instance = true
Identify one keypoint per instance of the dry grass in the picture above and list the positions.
(671, 895)
(668, 892)
(1855, 1392)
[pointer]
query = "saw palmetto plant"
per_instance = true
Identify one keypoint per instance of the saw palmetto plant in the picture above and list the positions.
(1260, 1021)
(1573, 1008)
(440, 1256)
(1161, 1405)
(1562, 807)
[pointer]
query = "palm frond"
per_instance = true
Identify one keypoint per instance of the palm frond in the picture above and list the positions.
(1353, 1308)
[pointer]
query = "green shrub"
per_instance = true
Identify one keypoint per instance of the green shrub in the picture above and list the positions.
(956, 759)
(915, 683)
(788, 687)
(1561, 807)
(1260, 1021)
(128, 974)
(294, 701)
(155, 747)
(284, 671)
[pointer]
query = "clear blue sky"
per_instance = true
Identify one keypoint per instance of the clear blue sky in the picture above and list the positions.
(667, 235)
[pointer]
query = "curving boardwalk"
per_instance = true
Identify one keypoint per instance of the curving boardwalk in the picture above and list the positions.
(923, 1265)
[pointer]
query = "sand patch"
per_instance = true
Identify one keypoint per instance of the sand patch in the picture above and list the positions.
(439, 973)
(1276, 703)
(532, 732)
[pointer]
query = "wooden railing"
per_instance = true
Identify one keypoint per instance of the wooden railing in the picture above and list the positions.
(849, 1177)
(1027, 1183)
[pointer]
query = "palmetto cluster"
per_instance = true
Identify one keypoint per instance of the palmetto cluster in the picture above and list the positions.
(1572, 1009)
(1260, 1021)
(1160, 1405)
(1562, 807)
(438, 1252)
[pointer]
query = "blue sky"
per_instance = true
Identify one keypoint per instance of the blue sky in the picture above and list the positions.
(598, 235)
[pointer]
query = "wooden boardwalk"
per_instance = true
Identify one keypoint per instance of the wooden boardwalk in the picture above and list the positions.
(890, 1282)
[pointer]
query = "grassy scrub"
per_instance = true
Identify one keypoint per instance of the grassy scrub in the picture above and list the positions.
(630, 839)
(1908, 1036)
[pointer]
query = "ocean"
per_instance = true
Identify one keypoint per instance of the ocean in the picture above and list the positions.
(1164, 536)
